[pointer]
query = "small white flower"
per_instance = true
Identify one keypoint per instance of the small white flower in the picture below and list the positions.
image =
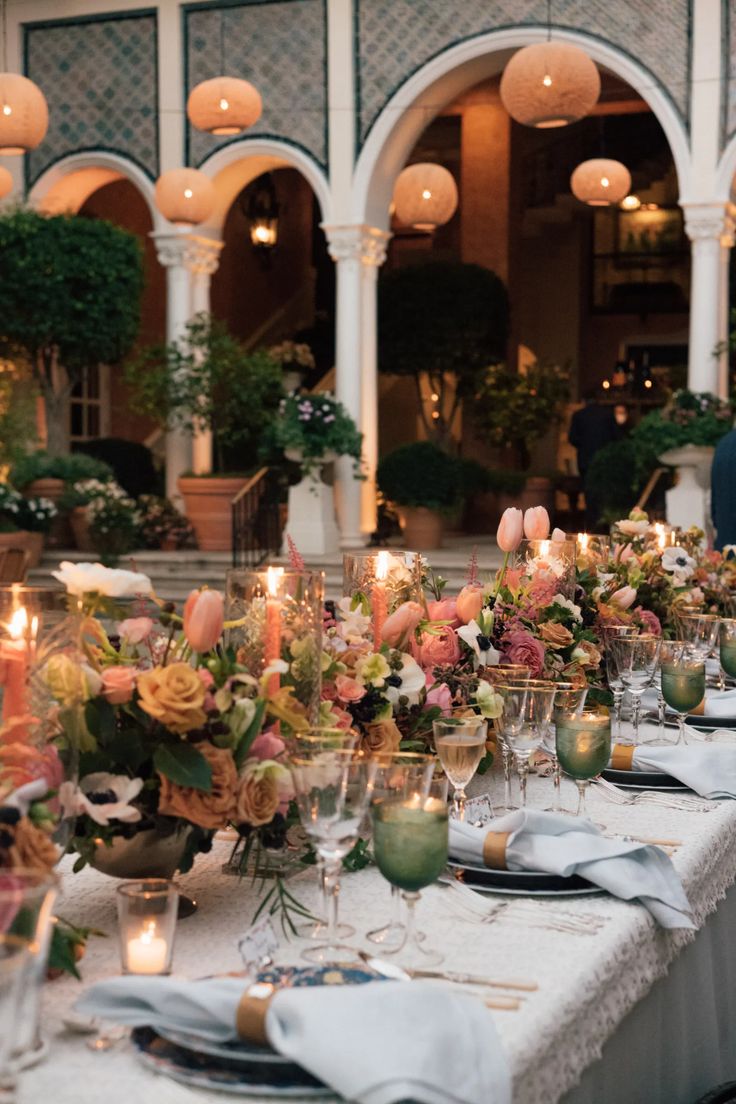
(633, 528)
(103, 797)
(489, 702)
(485, 654)
(561, 600)
(353, 626)
(412, 681)
(677, 561)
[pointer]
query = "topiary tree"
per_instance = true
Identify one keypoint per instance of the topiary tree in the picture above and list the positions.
(70, 291)
(443, 323)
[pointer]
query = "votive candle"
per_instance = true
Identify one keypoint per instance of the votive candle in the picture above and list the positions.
(379, 598)
(147, 954)
(15, 656)
(272, 646)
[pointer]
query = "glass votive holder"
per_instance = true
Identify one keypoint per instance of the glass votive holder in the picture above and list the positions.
(591, 549)
(147, 912)
(549, 563)
(390, 575)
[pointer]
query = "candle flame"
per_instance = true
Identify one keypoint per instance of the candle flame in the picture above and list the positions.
(382, 562)
(273, 578)
(19, 623)
(544, 548)
(149, 932)
(583, 539)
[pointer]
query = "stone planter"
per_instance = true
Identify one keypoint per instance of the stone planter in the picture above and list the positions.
(688, 501)
(311, 520)
(60, 534)
(208, 505)
(79, 521)
(422, 528)
(24, 539)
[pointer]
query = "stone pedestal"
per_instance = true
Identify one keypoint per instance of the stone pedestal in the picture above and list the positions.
(311, 520)
(687, 502)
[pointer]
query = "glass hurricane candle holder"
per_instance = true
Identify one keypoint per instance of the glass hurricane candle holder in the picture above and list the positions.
(727, 633)
(583, 747)
(387, 578)
(147, 912)
(29, 617)
(549, 563)
(278, 626)
(591, 549)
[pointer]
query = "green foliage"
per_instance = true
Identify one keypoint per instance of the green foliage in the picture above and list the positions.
(314, 425)
(17, 412)
(17, 512)
(208, 380)
(71, 468)
(183, 764)
(420, 474)
(445, 322)
(511, 408)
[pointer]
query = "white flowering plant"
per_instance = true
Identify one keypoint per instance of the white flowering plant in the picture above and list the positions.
(315, 425)
(18, 512)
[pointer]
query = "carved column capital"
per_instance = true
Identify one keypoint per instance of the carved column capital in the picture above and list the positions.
(366, 244)
(196, 254)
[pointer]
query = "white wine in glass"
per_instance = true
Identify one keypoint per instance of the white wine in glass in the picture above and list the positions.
(460, 743)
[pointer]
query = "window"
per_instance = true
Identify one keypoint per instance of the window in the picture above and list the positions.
(89, 406)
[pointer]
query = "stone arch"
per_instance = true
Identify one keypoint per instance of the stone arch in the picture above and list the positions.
(68, 184)
(430, 88)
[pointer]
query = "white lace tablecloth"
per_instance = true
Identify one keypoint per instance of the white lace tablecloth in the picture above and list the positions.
(587, 984)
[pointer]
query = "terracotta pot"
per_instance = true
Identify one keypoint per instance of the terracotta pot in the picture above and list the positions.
(32, 543)
(147, 854)
(538, 491)
(422, 527)
(79, 521)
(208, 505)
(60, 534)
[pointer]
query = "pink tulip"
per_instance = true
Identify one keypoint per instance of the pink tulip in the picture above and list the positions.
(445, 610)
(469, 602)
(204, 613)
(118, 684)
(559, 535)
(267, 745)
(401, 624)
(536, 523)
(624, 597)
(510, 530)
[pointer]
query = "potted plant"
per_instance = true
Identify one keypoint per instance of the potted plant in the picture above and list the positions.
(513, 409)
(425, 484)
(24, 521)
(208, 381)
(40, 474)
(312, 430)
(296, 360)
(106, 519)
(162, 525)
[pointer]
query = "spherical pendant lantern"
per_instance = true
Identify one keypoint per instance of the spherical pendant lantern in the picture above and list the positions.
(6, 182)
(425, 196)
(224, 106)
(549, 84)
(24, 114)
(185, 196)
(600, 182)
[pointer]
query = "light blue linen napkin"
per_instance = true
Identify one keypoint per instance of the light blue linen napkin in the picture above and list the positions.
(572, 845)
(709, 769)
(377, 1043)
(718, 703)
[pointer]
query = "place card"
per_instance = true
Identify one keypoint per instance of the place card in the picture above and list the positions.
(258, 943)
(478, 810)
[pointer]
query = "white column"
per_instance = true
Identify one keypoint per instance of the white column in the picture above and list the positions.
(205, 257)
(354, 249)
(724, 311)
(705, 225)
(373, 257)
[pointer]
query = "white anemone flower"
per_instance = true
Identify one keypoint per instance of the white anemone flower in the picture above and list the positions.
(103, 797)
(412, 681)
(561, 600)
(353, 626)
(485, 655)
(95, 578)
(678, 562)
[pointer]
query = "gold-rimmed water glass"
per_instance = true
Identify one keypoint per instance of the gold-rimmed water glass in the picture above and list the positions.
(683, 679)
(636, 660)
(569, 698)
(460, 743)
(331, 788)
(727, 649)
(525, 719)
(613, 678)
(507, 672)
(700, 631)
(583, 747)
(410, 844)
(402, 775)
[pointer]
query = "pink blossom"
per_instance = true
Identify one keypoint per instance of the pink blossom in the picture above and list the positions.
(340, 718)
(267, 745)
(519, 646)
(440, 695)
(624, 597)
(510, 529)
(118, 684)
(629, 556)
(207, 679)
(543, 588)
(134, 630)
(439, 649)
(469, 603)
(446, 610)
(536, 523)
(649, 621)
(348, 689)
(400, 625)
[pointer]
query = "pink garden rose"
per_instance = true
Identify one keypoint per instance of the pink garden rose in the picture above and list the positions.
(446, 610)
(118, 684)
(400, 626)
(469, 603)
(519, 646)
(267, 745)
(649, 621)
(440, 649)
(440, 695)
(348, 689)
(134, 630)
(510, 530)
(536, 523)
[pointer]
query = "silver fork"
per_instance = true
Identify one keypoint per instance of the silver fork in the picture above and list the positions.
(650, 797)
(476, 908)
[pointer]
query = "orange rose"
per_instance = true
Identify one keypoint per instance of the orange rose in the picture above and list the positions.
(31, 848)
(263, 789)
(557, 636)
(208, 810)
(381, 738)
(592, 656)
(174, 695)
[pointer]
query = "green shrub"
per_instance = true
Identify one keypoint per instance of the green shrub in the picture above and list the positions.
(71, 468)
(421, 474)
(130, 461)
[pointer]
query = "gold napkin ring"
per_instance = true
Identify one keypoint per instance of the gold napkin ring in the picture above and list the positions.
(250, 1018)
(622, 757)
(699, 710)
(494, 850)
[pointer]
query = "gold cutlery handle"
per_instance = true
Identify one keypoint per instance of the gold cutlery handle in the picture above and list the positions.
(473, 979)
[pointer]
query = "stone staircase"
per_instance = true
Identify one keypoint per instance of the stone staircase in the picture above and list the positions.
(174, 574)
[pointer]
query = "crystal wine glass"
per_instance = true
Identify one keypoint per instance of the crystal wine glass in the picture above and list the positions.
(332, 788)
(636, 662)
(460, 743)
(527, 714)
(615, 682)
(410, 843)
(583, 747)
(727, 633)
(569, 698)
(683, 679)
(700, 630)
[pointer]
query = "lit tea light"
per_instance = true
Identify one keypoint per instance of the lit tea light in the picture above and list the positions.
(583, 539)
(148, 953)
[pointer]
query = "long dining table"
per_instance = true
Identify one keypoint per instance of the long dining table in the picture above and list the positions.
(624, 1012)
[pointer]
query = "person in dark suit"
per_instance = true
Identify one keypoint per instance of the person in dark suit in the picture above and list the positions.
(723, 490)
(591, 428)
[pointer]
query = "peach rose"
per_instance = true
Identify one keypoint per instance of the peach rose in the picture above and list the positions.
(470, 602)
(348, 689)
(173, 695)
(118, 684)
(31, 848)
(264, 789)
(557, 636)
(590, 657)
(381, 738)
(439, 649)
(208, 810)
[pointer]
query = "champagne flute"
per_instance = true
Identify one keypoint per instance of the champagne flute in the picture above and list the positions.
(727, 633)
(529, 705)
(410, 843)
(507, 725)
(583, 747)
(700, 630)
(460, 742)
(615, 682)
(636, 661)
(398, 776)
(332, 788)
(683, 680)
